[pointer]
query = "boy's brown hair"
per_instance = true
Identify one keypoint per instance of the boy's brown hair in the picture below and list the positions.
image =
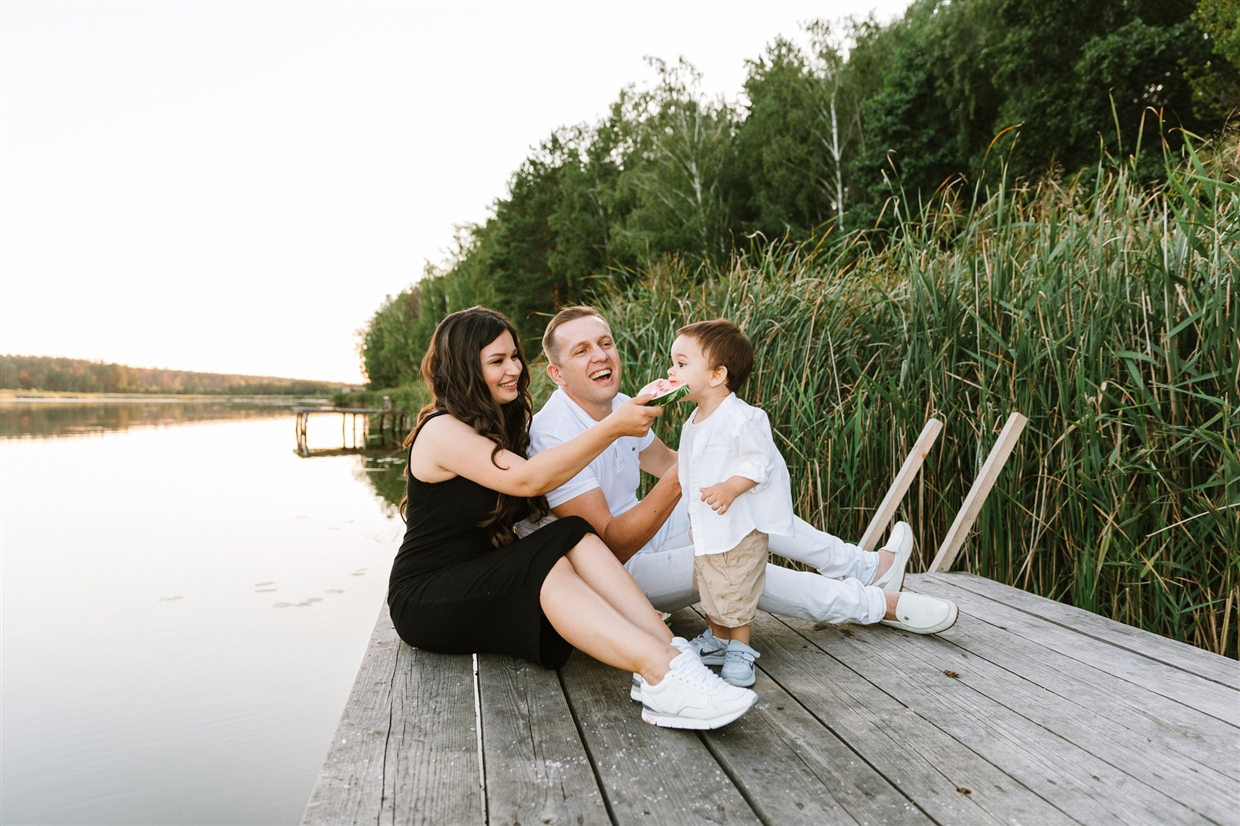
(724, 345)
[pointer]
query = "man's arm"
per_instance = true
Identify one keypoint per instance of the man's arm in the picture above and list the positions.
(657, 459)
(627, 533)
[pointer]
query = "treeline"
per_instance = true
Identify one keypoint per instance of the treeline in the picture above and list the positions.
(81, 376)
(827, 140)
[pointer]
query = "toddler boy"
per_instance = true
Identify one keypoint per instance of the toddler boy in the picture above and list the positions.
(736, 485)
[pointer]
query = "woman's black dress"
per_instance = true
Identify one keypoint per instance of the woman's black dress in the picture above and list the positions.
(453, 592)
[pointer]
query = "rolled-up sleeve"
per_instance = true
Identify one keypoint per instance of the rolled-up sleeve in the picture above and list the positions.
(752, 461)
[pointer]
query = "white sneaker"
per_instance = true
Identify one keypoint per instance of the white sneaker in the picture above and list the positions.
(899, 543)
(690, 696)
(680, 644)
(923, 615)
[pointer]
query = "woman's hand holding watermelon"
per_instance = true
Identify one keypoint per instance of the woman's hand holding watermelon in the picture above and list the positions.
(633, 418)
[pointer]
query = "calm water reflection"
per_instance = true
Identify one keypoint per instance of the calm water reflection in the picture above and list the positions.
(184, 609)
(53, 417)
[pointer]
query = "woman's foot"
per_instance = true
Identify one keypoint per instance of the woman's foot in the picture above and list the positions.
(690, 696)
(680, 645)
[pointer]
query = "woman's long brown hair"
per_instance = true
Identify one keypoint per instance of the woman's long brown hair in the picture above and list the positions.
(452, 368)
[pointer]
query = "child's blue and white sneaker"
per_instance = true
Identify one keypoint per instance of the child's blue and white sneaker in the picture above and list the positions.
(738, 664)
(709, 648)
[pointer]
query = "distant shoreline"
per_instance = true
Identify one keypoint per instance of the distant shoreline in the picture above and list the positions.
(10, 395)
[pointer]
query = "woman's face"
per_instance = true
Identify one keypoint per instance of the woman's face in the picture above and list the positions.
(501, 367)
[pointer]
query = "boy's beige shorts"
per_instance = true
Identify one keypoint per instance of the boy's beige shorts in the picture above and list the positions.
(731, 582)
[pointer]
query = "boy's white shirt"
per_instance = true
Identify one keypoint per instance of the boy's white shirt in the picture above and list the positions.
(735, 440)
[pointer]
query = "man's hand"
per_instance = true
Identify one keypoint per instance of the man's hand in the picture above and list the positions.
(720, 496)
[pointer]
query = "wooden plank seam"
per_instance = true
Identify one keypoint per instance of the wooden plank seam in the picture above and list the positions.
(482, 765)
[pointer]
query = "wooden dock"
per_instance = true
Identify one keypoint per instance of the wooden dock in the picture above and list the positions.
(390, 420)
(1026, 712)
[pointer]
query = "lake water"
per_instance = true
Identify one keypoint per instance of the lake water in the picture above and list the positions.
(185, 605)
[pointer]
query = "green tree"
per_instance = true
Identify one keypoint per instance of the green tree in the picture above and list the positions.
(1069, 77)
(1216, 83)
(780, 143)
(388, 343)
(678, 155)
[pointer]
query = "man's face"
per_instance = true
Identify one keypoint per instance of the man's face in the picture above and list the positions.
(589, 369)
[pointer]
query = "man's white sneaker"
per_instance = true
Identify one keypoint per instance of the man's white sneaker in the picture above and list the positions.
(899, 543)
(923, 615)
(690, 696)
(709, 648)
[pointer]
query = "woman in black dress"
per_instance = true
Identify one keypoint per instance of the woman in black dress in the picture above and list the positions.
(464, 583)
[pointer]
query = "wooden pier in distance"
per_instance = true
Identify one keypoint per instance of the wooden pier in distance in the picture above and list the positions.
(1027, 711)
(391, 421)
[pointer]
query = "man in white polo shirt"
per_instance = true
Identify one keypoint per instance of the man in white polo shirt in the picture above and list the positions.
(650, 535)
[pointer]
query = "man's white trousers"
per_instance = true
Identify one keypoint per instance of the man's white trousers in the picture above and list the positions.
(838, 592)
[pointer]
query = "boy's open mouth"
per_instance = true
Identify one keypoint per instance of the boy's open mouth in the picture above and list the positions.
(601, 376)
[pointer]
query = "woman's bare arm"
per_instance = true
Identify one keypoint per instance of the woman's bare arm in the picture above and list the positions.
(447, 447)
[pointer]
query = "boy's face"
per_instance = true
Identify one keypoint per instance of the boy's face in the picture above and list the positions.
(690, 366)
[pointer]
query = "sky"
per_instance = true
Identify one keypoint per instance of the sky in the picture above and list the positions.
(235, 187)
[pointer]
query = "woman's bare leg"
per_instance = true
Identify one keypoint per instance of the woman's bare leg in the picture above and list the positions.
(589, 622)
(598, 567)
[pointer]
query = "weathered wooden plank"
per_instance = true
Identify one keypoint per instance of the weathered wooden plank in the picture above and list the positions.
(405, 751)
(1120, 709)
(649, 775)
(899, 485)
(945, 779)
(792, 769)
(1171, 652)
(1182, 687)
(988, 709)
(976, 497)
(537, 771)
(1195, 764)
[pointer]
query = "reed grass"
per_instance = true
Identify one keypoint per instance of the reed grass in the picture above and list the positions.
(1106, 313)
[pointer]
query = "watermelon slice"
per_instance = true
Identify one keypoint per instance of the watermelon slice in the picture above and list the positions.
(666, 391)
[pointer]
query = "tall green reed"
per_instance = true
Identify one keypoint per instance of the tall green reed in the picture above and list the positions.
(1106, 314)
